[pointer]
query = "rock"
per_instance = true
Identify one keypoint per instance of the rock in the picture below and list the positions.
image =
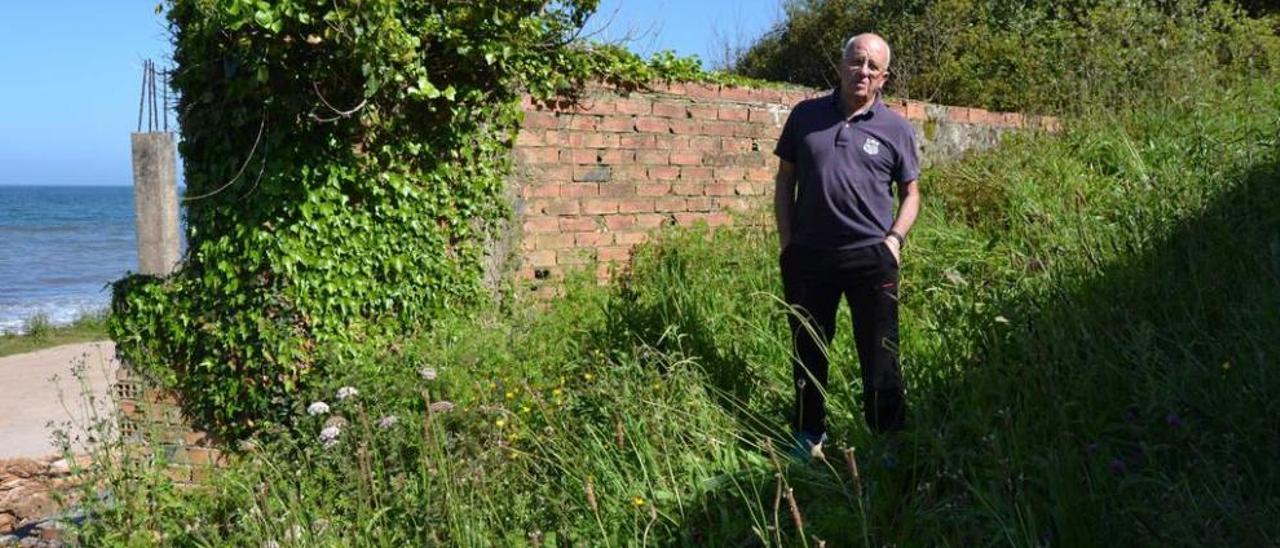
(8, 540)
(60, 467)
(8, 522)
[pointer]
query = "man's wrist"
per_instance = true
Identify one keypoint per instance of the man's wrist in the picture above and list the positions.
(895, 235)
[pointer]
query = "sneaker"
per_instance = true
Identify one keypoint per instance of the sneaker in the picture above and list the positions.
(807, 446)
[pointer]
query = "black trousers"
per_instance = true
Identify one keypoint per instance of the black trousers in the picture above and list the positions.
(867, 277)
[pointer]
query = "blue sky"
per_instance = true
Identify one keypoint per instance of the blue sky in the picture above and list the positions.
(70, 72)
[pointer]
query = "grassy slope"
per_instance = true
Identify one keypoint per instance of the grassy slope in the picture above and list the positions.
(1089, 338)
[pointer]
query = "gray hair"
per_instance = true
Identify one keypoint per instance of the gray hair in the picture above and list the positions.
(844, 51)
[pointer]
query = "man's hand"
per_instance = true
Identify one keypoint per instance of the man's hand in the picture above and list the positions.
(892, 244)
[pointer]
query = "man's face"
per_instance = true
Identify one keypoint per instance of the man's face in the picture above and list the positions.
(864, 69)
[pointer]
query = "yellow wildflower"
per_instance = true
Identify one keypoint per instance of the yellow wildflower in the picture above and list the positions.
(638, 501)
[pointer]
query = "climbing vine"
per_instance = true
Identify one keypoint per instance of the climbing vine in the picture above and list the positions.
(344, 164)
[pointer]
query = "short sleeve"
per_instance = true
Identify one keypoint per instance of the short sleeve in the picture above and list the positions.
(908, 166)
(786, 147)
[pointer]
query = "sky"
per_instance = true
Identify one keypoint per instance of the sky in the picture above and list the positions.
(70, 72)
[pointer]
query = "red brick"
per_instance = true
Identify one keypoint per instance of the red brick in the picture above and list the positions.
(617, 189)
(736, 144)
(557, 206)
(958, 115)
(579, 190)
(592, 239)
(671, 142)
(702, 91)
(582, 122)
(653, 189)
(674, 88)
(614, 253)
(664, 173)
(685, 127)
(650, 124)
(765, 116)
(541, 191)
(730, 173)
(593, 140)
(667, 204)
(633, 105)
(635, 141)
(550, 241)
(1011, 119)
(652, 157)
(695, 173)
(688, 219)
(764, 95)
(579, 156)
(530, 137)
(650, 220)
(719, 219)
(687, 189)
(738, 203)
(669, 110)
(897, 106)
(557, 137)
(703, 112)
(724, 129)
(732, 113)
(551, 173)
(539, 120)
(685, 158)
(541, 224)
(916, 111)
(577, 224)
(600, 206)
(699, 204)
(704, 144)
(537, 155)
(617, 124)
(630, 173)
(761, 174)
(635, 205)
(616, 156)
(619, 222)
(593, 106)
(735, 93)
(718, 189)
(630, 238)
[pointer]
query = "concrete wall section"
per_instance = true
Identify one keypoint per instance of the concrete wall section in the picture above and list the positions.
(155, 199)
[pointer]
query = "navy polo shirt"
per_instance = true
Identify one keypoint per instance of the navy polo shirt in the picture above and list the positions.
(845, 171)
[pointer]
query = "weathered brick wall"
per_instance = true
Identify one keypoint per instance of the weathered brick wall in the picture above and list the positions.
(595, 176)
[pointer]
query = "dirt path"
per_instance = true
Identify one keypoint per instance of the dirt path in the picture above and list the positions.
(30, 400)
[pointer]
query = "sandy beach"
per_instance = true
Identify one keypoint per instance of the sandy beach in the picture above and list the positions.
(40, 392)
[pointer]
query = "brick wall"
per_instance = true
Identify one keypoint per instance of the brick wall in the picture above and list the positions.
(595, 177)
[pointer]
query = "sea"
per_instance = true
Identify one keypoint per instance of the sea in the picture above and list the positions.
(60, 248)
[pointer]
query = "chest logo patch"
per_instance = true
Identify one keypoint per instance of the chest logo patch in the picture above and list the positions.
(871, 146)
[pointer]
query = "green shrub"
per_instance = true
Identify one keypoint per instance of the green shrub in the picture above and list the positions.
(1027, 56)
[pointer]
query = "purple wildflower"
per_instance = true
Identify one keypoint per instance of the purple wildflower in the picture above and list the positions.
(388, 421)
(329, 436)
(1172, 419)
(347, 392)
(1118, 467)
(1092, 448)
(318, 408)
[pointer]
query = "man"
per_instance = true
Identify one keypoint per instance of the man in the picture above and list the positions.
(840, 155)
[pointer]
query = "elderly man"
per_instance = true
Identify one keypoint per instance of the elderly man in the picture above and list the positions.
(840, 155)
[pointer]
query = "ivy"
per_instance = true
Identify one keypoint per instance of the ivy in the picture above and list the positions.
(345, 165)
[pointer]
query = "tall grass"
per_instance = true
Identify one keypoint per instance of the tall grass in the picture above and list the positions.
(1089, 341)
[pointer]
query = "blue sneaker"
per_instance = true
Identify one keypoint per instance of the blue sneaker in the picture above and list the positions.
(807, 446)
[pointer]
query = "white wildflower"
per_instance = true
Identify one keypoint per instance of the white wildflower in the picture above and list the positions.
(441, 406)
(318, 408)
(329, 436)
(428, 373)
(347, 392)
(388, 421)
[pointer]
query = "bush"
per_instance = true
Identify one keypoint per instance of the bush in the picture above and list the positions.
(1043, 57)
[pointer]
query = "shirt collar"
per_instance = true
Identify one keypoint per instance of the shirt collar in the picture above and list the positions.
(876, 105)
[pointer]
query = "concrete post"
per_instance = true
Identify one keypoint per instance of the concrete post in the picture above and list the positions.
(155, 202)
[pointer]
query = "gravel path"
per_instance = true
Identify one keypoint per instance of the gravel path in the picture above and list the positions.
(40, 388)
